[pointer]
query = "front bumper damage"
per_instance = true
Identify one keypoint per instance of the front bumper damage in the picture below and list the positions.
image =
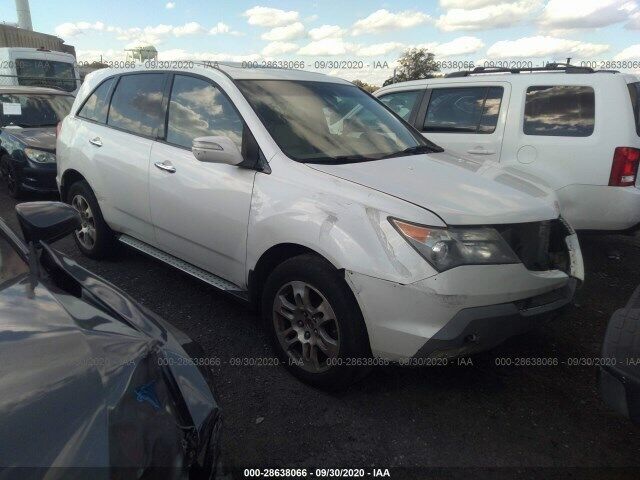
(462, 310)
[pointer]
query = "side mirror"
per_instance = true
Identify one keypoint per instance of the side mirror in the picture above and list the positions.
(48, 221)
(216, 150)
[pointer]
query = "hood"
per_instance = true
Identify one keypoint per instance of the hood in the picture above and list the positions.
(41, 138)
(458, 190)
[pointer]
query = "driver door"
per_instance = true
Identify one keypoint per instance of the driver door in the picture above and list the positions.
(200, 211)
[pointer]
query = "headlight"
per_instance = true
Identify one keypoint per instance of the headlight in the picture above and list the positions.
(39, 156)
(445, 248)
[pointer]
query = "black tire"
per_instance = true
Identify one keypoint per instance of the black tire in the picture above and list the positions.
(353, 344)
(11, 178)
(104, 244)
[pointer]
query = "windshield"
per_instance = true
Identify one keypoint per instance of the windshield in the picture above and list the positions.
(46, 73)
(28, 110)
(324, 122)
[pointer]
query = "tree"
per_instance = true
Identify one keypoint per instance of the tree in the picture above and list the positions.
(365, 86)
(414, 64)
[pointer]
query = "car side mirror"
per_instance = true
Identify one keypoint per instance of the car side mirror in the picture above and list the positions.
(216, 150)
(47, 221)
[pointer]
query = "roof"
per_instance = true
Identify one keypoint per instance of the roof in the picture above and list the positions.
(247, 71)
(25, 89)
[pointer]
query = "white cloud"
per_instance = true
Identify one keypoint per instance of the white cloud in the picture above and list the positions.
(180, 54)
(219, 29)
(326, 46)
(278, 48)
(634, 22)
(542, 46)
(467, 4)
(288, 32)
(70, 29)
(270, 17)
(458, 46)
(326, 31)
(630, 53)
(170, 5)
(497, 15)
(190, 28)
(383, 20)
(570, 14)
(379, 49)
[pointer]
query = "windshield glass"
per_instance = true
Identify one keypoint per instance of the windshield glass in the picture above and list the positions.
(326, 122)
(46, 73)
(28, 110)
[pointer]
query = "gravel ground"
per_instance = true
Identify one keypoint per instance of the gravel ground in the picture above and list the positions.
(511, 420)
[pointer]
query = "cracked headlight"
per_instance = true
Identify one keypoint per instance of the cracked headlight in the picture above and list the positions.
(446, 248)
(39, 156)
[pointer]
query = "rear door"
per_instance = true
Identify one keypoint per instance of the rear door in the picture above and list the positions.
(405, 103)
(466, 118)
(119, 150)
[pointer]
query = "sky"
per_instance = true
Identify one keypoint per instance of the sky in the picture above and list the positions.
(369, 35)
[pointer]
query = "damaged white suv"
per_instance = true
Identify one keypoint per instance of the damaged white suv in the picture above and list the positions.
(354, 236)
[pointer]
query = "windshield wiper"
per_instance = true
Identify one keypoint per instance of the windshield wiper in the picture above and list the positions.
(341, 159)
(416, 150)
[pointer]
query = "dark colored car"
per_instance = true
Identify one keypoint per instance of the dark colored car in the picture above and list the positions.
(92, 384)
(28, 120)
(620, 371)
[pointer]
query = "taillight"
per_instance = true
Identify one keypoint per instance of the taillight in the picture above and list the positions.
(58, 128)
(625, 167)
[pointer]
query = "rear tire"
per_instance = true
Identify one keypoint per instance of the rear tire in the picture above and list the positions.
(10, 177)
(95, 239)
(316, 325)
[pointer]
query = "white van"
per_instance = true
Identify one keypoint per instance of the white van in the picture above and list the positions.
(38, 67)
(575, 128)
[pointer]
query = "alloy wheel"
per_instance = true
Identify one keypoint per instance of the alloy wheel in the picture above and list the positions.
(306, 326)
(87, 233)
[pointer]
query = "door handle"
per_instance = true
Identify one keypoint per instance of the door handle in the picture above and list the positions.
(480, 151)
(166, 166)
(96, 141)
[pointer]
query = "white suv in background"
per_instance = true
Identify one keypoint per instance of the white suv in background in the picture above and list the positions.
(576, 129)
(353, 235)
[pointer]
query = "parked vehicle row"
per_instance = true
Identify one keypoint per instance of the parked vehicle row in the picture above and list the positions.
(350, 232)
(574, 129)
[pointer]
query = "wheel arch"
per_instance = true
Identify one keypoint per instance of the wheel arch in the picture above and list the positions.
(69, 177)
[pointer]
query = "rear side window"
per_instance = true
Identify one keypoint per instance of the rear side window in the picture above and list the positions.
(463, 110)
(634, 92)
(199, 109)
(402, 103)
(97, 106)
(559, 111)
(136, 105)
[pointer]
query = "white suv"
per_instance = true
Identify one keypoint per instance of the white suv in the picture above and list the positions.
(354, 236)
(576, 129)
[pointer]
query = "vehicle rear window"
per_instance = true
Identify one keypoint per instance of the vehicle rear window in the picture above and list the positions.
(401, 103)
(463, 110)
(136, 104)
(634, 92)
(97, 106)
(46, 73)
(559, 111)
(199, 109)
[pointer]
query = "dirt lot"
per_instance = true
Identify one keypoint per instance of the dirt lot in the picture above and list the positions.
(511, 418)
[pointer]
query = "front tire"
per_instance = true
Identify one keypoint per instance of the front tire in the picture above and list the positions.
(95, 239)
(315, 323)
(11, 177)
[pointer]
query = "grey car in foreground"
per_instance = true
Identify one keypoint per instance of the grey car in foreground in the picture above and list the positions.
(92, 385)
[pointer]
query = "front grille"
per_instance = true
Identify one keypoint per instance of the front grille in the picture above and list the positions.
(540, 246)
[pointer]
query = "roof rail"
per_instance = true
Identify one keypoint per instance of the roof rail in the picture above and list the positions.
(549, 67)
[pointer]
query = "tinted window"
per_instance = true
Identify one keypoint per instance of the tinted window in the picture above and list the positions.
(27, 110)
(327, 122)
(136, 105)
(463, 110)
(96, 106)
(45, 73)
(401, 102)
(634, 92)
(199, 109)
(562, 111)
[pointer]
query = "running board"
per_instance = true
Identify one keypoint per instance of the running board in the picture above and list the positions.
(202, 275)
